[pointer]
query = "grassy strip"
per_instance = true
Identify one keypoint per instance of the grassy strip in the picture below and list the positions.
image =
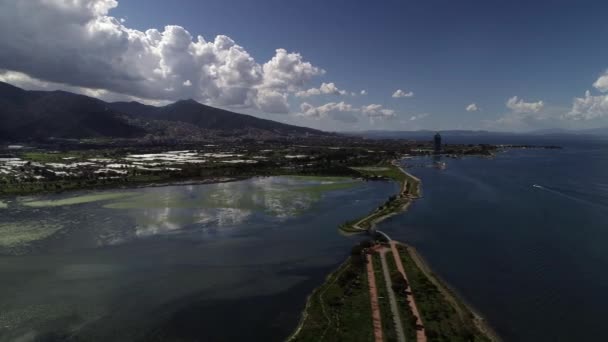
(393, 204)
(385, 170)
(399, 286)
(388, 326)
(340, 309)
(442, 320)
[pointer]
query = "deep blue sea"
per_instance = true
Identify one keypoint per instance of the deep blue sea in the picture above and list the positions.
(522, 237)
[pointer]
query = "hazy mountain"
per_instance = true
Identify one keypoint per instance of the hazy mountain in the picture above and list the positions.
(209, 118)
(428, 134)
(28, 115)
(41, 114)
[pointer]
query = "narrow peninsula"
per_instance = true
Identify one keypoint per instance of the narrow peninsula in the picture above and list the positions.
(385, 291)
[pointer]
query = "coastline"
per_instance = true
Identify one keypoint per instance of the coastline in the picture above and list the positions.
(410, 189)
(450, 294)
(408, 194)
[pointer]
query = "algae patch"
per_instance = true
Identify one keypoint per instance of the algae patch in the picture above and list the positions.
(17, 234)
(76, 200)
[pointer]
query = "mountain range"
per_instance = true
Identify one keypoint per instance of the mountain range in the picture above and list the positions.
(38, 115)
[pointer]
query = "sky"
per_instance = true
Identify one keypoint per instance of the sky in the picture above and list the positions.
(334, 65)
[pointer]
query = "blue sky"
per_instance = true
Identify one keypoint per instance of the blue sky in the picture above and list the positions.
(449, 54)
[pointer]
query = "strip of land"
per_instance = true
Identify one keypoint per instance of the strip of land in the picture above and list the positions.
(410, 189)
(404, 301)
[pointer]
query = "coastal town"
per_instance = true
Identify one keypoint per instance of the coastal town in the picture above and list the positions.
(65, 165)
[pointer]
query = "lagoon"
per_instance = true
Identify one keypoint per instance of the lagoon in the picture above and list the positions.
(191, 261)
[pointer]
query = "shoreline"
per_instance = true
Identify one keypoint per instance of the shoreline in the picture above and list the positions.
(396, 204)
(407, 195)
(451, 294)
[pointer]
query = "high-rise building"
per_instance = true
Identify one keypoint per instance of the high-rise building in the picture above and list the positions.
(437, 141)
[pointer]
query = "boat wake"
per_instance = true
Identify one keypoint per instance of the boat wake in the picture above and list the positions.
(559, 193)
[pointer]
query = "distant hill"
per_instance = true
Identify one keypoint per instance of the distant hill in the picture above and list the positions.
(461, 134)
(32, 115)
(209, 118)
(42, 114)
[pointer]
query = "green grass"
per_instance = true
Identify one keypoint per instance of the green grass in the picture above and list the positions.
(394, 204)
(442, 321)
(344, 300)
(388, 170)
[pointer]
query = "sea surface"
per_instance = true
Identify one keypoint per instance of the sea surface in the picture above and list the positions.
(522, 237)
(218, 262)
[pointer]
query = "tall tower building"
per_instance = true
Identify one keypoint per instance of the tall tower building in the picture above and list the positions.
(437, 141)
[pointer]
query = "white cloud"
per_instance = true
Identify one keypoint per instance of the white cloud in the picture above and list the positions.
(588, 107)
(400, 93)
(344, 112)
(78, 44)
(519, 106)
(472, 107)
(325, 89)
(419, 116)
(363, 92)
(272, 101)
(602, 82)
(377, 111)
(339, 111)
(288, 71)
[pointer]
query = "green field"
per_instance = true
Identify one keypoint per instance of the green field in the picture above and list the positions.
(340, 309)
(384, 170)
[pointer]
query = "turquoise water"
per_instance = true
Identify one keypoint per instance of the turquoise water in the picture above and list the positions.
(532, 259)
(228, 261)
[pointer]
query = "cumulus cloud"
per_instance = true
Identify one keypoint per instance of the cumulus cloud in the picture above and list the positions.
(77, 43)
(345, 112)
(519, 106)
(602, 82)
(339, 111)
(472, 107)
(363, 92)
(400, 93)
(325, 89)
(588, 107)
(377, 111)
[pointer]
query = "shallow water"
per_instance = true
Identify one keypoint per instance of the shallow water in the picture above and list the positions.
(231, 260)
(532, 259)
